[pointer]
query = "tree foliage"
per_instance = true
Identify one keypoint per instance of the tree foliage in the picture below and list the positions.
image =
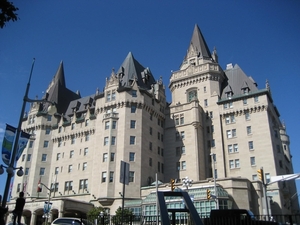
(127, 216)
(7, 12)
(94, 213)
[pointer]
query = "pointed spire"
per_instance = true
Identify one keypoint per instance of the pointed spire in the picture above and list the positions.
(60, 75)
(198, 44)
(131, 70)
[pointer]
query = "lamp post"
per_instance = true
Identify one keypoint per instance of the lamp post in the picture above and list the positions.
(213, 156)
(186, 182)
(102, 217)
(47, 206)
(10, 169)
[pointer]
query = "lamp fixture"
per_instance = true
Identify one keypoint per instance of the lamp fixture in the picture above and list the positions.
(10, 170)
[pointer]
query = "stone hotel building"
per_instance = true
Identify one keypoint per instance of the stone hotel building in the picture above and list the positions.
(218, 119)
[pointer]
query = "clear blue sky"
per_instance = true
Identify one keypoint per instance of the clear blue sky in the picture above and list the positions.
(94, 36)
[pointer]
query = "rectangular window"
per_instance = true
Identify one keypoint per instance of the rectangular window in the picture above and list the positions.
(183, 165)
(131, 176)
(212, 128)
(133, 93)
(132, 124)
(254, 177)
(28, 157)
(42, 171)
(72, 126)
(72, 140)
(256, 99)
(104, 157)
(26, 171)
(183, 149)
(182, 135)
(158, 150)
(252, 161)
(211, 115)
(83, 184)
(234, 163)
(229, 134)
(71, 153)
(106, 125)
(213, 143)
(150, 146)
(245, 101)
(46, 144)
(111, 176)
(30, 144)
(87, 137)
(105, 141)
(87, 122)
(56, 171)
(84, 166)
(249, 131)
(114, 124)
(57, 156)
(103, 176)
(47, 131)
(18, 187)
(250, 144)
(233, 132)
(132, 140)
(181, 120)
(133, 108)
(44, 157)
(230, 149)
(235, 147)
(158, 166)
(158, 135)
(112, 156)
(23, 157)
(150, 161)
(268, 178)
(247, 116)
(108, 97)
(131, 156)
(113, 96)
(176, 121)
(49, 117)
(113, 140)
(59, 129)
(150, 130)
(85, 151)
(70, 168)
(205, 103)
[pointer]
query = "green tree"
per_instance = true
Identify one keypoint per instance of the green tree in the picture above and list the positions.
(127, 216)
(7, 12)
(94, 214)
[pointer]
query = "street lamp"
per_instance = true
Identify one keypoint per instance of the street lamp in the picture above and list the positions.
(10, 169)
(102, 217)
(186, 182)
(213, 156)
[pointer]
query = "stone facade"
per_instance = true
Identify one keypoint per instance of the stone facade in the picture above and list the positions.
(77, 151)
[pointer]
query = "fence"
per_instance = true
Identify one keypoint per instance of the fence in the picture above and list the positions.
(184, 220)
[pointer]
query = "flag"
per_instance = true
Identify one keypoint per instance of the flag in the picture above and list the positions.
(23, 140)
(39, 187)
(7, 144)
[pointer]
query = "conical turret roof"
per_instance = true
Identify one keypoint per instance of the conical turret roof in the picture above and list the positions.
(131, 70)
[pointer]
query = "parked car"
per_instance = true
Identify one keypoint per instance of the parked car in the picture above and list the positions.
(67, 221)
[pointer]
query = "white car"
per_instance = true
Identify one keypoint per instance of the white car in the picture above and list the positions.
(67, 221)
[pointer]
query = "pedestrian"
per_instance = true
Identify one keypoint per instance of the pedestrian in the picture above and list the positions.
(3, 211)
(18, 211)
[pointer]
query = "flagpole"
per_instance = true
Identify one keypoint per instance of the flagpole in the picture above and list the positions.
(15, 147)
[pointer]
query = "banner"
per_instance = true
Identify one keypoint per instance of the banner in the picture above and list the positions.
(23, 140)
(39, 187)
(7, 144)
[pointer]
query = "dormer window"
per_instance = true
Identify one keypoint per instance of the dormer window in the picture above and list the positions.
(229, 94)
(133, 93)
(108, 96)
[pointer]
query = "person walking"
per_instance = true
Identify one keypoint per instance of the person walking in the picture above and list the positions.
(18, 211)
(3, 211)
